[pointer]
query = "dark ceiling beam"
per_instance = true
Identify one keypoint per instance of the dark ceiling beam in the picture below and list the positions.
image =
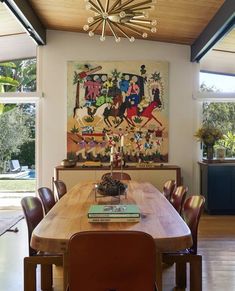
(221, 24)
(28, 18)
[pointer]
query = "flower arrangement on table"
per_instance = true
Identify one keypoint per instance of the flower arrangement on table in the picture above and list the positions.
(209, 135)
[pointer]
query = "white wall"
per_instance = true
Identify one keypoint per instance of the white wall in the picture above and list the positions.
(64, 46)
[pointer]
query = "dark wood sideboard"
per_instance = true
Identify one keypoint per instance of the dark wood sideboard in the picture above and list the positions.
(157, 175)
(217, 185)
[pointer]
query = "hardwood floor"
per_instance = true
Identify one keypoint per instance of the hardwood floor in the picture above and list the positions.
(216, 244)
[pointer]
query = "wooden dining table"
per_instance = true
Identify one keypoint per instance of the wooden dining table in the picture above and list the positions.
(69, 216)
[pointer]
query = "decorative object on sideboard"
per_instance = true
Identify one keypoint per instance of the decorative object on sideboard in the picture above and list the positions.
(68, 163)
(220, 152)
(209, 135)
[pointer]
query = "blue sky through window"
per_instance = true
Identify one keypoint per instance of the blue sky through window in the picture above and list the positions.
(223, 83)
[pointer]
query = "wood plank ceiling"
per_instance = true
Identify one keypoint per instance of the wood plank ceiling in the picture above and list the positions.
(180, 22)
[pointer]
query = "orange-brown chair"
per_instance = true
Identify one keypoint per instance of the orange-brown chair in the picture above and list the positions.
(112, 260)
(47, 198)
(61, 188)
(191, 213)
(178, 198)
(33, 213)
(169, 188)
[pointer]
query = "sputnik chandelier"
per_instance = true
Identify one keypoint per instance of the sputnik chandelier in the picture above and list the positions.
(122, 18)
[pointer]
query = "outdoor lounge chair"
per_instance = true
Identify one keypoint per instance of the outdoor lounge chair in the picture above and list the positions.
(15, 166)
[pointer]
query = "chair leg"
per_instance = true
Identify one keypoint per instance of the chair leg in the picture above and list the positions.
(196, 273)
(159, 273)
(29, 275)
(46, 277)
(181, 274)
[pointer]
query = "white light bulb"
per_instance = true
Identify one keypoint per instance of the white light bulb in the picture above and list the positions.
(86, 27)
(91, 33)
(88, 6)
(90, 19)
(144, 35)
(146, 14)
(122, 14)
(153, 29)
(102, 38)
(154, 22)
(117, 39)
(132, 39)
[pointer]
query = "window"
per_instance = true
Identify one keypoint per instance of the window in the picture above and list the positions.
(17, 130)
(18, 76)
(218, 112)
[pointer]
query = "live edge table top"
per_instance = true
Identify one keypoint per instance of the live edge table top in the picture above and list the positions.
(69, 216)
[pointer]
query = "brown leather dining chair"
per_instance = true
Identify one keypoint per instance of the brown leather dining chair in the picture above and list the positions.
(191, 213)
(112, 261)
(61, 188)
(178, 198)
(33, 213)
(47, 198)
(117, 176)
(169, 188)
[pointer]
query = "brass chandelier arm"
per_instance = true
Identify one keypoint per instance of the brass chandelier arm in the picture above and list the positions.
(100, 5)
(94, 22)
(140, 21)
(94, 6)
(131, 7)
(103, 29)
(121, 30)
(98, 24)
(137, 9)
(106, 5)
(133, 29)
(120, 8)
(112, 30)
(114, 5)
(138, 26)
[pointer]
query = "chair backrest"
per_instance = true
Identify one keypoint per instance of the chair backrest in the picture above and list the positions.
(47, 198)
(33, 212)
(169, 188)
(60, 188)
(191, 213)
(117, 176)
(178, 198)
(112, 261)
(15, 166)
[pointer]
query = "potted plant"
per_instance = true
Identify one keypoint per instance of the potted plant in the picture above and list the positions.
(209, 135)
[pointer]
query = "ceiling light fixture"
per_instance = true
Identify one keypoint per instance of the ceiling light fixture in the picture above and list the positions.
(122, 18)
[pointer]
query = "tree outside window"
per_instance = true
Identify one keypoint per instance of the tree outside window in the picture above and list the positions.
(222, 116)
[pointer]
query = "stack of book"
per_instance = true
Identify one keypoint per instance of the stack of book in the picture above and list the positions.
(114, 213)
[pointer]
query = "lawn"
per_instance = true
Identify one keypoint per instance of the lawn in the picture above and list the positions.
(18, 185)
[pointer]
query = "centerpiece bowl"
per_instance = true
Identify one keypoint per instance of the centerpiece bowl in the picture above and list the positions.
(111, 187)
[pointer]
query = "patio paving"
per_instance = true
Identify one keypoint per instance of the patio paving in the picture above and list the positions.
(11, 200)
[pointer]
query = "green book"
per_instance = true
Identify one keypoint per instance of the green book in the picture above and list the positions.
(114, 211)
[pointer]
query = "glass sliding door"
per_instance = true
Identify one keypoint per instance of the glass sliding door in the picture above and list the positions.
(17, 152)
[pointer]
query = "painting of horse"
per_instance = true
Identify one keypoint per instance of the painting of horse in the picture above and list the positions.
(115, 99)
(146, 112)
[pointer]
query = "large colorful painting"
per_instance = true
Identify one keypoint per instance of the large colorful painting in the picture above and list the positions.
(113, 105)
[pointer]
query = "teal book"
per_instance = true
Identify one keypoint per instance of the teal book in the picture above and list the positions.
(114, 211)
